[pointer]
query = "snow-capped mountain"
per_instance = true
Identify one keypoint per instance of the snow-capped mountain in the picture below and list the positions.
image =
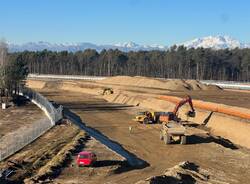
(215, 42)
(38, 46)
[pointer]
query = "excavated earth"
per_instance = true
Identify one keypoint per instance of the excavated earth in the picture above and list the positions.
(224, 161)
(214, 158)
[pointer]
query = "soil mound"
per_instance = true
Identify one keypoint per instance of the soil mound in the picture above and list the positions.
(37, 84)
(147, 82)
(185, 172)
(196, 85)
(53, 85)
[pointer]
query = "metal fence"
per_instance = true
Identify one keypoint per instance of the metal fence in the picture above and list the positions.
(55, 114)
(13, 142)
(16, 140)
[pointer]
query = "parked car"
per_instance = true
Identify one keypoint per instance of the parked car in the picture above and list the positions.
(86, 158)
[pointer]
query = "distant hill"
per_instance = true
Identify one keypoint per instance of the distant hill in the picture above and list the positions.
(214, 42)
(38, 46)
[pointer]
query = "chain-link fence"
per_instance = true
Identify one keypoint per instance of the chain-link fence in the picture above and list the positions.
(12, 142)
(55, 114)
(16, 140)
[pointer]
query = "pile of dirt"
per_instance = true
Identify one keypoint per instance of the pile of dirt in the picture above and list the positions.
(170, 84)
(80, 87)
(36, 84)
(196, 85)
(185, 172)
(53, 85)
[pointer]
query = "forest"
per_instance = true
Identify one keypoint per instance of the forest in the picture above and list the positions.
(177, 62)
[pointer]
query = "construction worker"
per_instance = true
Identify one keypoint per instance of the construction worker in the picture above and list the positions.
(130, 129)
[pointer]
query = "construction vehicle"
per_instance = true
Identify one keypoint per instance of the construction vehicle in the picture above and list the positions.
(107, 91)
(172, 116)
(147, 117)
(172, 126)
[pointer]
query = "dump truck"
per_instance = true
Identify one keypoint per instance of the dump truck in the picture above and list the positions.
(148, 117)
(174, 128)
(172, 131)
(145, 117)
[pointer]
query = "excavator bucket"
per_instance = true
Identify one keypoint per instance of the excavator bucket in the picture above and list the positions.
(191, 114)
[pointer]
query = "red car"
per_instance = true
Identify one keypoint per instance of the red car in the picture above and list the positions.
(86, 158)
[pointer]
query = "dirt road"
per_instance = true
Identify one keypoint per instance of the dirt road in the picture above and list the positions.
(223, 161)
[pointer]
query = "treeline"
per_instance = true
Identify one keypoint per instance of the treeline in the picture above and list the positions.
(13, 72)
(177, 62)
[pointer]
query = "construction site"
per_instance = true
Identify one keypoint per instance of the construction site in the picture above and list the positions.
(142, 130)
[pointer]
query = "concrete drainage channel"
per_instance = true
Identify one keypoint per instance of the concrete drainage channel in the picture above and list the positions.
(132, 159)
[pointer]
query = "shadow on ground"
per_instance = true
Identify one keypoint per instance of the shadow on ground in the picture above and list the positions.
(218, 140)
(96, 106)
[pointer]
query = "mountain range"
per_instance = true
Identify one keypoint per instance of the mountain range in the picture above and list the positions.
(213, 42)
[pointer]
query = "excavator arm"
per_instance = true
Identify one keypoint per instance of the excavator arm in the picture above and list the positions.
(188, 99)
(173, 115)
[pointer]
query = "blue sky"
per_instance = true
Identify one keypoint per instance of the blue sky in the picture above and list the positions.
(111, 21)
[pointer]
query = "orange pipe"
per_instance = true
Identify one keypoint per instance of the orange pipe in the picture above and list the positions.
(210, 107)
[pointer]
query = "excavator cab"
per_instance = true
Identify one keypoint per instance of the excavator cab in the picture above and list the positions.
(166, 117)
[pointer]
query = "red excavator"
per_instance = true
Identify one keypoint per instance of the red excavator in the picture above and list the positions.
(172, 127)
(172, 116)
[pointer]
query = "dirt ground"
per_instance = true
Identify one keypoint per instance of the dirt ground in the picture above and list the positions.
(108, 163)
(239, 98)
(222, 161)
(15, 117)
(225, 162)
(32, 157)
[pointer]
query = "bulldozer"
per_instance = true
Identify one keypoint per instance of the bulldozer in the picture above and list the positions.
(107, 91)
(173, 128)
